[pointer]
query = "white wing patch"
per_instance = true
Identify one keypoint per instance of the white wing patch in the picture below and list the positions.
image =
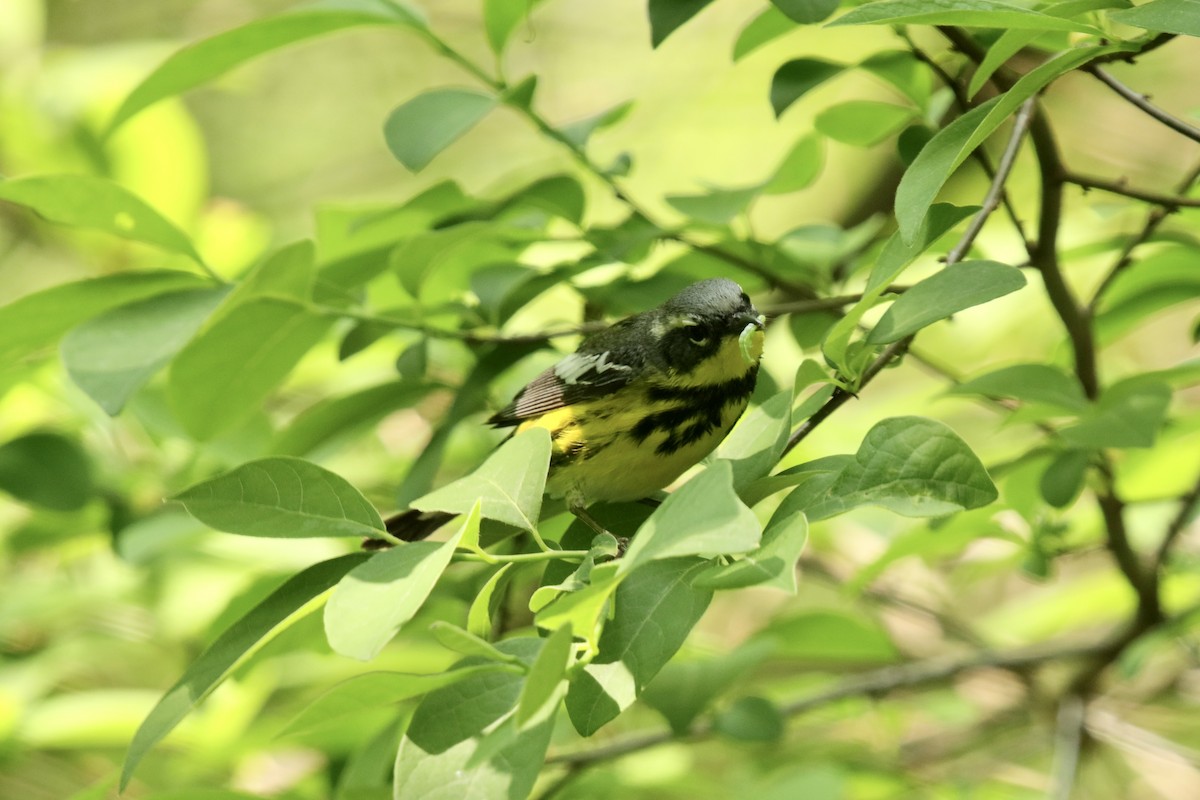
(575, 366)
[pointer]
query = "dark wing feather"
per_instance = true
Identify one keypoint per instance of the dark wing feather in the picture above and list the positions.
(603, 364)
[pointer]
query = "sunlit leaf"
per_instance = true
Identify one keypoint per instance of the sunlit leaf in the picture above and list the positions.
(90, 202)
(772, 564)
(510, 483)
(209, 58)
(717, 206)
(370, 604)
(545, 674)
(284, 606)
(368, 692)
(702, 517)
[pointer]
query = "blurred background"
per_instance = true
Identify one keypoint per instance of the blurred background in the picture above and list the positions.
(104, 604)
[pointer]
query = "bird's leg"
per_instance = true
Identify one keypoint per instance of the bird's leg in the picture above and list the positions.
(576, 507)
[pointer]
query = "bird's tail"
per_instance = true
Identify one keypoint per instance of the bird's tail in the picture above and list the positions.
(412, 525)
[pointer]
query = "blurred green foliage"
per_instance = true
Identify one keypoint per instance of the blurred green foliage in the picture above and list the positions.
(216, 262)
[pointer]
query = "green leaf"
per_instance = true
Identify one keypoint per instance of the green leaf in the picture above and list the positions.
(461, 772)
(286, 273)
(454, 714)
(578, 133)
(702, 517)
(954, 143)
(773, 564)
(501, 17)
(902, 70)
(34, 322)
(470, 397)
(466, 643)
(893, 259)
(335, 417)
(290, 602)
(90, 202)
(368, 692)
(797, 78)
(209, 58)
(426, 125)
(370, 604)
(223, 375)
(750, 719)
(799, 168)
(1063, 479)
(767, 26)
(756, 443)
(113, 355)
(685, 688)
(510, 483)
(667, 15)
(973, 13)
(717, 206)
(46, 469)
(583, 609)
(955, 288)
(862, 123)
(1128, 414)
(545, 674)
(912, 466)
(632, 651)
(830, 638)
(1159, 280)
(281, 497)
(806, 12)
(1029, 383)
(479, 616)
(1169, 16)
(1005, 47)
(931, 168)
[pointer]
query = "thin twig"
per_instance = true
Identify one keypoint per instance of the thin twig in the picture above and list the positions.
(1068, 738)
(1178, 524)
(896, 349)
(1169, 202)
(992, 198)
(1142, 103)
(876, 682)
(1125, 258)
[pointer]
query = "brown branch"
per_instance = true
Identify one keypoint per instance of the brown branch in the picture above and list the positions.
(1169, 202)
(1153, 220)
(912, 675)
(1141, 102)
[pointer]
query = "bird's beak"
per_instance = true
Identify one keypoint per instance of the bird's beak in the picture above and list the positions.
(752, 317)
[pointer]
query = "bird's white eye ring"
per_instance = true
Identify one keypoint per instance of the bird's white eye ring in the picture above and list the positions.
(703, 340)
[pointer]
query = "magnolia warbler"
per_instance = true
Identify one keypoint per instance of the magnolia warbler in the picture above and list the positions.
(638, 403)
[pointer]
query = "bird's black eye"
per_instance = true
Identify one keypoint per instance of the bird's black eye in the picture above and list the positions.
(745, 299)
(696, 333)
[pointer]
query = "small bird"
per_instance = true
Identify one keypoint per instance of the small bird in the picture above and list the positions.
(638, 403)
